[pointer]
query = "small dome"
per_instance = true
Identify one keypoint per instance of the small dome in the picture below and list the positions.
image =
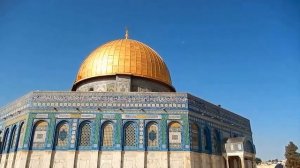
(124, 57)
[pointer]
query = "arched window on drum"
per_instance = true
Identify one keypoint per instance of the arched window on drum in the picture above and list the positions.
(152, 135)
(174, 135)
(39, 134)
(107, 134)
(194, 137)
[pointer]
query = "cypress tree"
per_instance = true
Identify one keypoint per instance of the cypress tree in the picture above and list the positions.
(293, 158)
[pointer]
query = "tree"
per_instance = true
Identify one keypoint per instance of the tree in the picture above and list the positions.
(258, 161)
(293, 158)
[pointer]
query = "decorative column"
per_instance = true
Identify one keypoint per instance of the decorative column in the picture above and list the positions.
(227, 162)
(51, 132)
(242, 160)
(117, 153)
(164, 141)
(49, 140)
(5, 153)
(22, 156)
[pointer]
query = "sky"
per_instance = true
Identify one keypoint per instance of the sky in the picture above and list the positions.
(242, 54)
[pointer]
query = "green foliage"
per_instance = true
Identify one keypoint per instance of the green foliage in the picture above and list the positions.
(292, 156)
(258, 161)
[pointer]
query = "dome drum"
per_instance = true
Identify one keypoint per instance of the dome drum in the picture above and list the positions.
(121, 83)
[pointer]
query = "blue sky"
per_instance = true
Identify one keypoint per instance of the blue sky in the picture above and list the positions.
(242, 54)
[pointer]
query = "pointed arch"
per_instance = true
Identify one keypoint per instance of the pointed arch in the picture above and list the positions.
(107, 134)
(194, 136)
(62, 134)
(12, 138)
(39, 135)
(19, 141)
(152, 135)
(175, 135)
(217, 142)
(4, 140)
(206, 140)
(85, 133)
(130, 135)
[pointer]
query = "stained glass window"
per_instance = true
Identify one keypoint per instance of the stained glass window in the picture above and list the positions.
(195, 137)
(21, 135)
(40, 133)
(107, 135)
(85, 134)
(130, 135)
(62, 135)
(175, 135)
(152, 131)
(12, 138)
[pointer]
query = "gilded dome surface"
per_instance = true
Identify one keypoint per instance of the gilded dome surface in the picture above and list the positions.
(127, 57)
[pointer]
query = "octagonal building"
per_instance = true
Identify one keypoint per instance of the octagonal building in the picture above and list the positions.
(122, 112)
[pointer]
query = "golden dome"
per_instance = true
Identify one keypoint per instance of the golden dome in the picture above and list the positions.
(124, 56)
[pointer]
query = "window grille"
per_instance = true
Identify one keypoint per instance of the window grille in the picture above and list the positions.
(85, 135)
(195, 137)
(130, 135)
(107, 135)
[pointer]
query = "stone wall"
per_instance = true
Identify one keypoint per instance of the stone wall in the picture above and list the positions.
(116, 159)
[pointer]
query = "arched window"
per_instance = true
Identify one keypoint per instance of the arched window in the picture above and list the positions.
(217, 141)
(62, 134)
(85, 134)
(21, 135)
(16, 138)
(130, 135)
(206, 139)
(12, 138)
(4, 140)
(107, 135)
(194, 137)
(40, 134)
(174, 135)
(152, 135)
